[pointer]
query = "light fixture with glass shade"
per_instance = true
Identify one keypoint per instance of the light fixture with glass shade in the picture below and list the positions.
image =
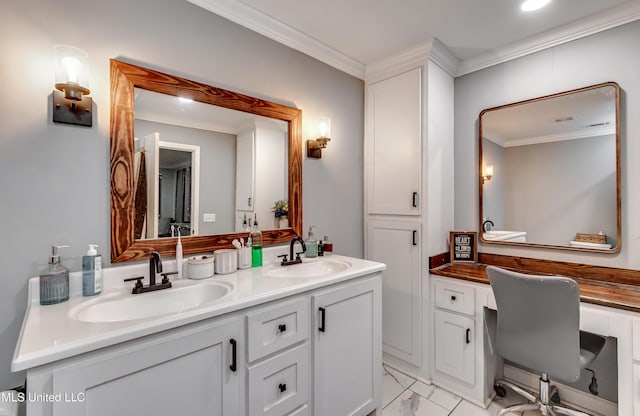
(71, 104)
(314, 147)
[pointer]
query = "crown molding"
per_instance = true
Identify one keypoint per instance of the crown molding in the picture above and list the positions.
(265, 25)
(572, 135)
(617, 16)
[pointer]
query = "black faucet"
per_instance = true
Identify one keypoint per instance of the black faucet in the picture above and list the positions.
(155, 266)
(485, 223)
(297, 259)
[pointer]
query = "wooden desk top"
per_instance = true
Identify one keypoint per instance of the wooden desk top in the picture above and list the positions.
(605, 292)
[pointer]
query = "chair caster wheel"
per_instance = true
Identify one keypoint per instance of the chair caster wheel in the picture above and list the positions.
(500, 390)
(555, 397)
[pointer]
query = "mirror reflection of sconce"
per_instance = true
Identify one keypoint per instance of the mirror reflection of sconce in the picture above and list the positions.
(314, 147)
(487, 173)
(70, 102)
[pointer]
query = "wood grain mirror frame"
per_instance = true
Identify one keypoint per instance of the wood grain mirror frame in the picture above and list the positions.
(124, 78)
(618, 246)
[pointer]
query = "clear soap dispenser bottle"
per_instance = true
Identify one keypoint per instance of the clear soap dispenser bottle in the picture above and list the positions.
(54, 280)
(256, 245)
(311, 244)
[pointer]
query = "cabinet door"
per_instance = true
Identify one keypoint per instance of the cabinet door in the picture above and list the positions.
(397, 244)
(185, 373)
(347, 358)
(393, 144)
(455, 346)
(245, 164)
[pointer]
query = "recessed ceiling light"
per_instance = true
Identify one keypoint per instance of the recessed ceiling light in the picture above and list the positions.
(530, 5)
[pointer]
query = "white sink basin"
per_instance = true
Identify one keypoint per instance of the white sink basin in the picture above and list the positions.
(308, 269)
(119, 307)
(504, 235)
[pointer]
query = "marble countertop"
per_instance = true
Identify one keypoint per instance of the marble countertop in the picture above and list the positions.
(50, 333)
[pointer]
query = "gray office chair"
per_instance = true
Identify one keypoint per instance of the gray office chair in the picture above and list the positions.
(538, 328)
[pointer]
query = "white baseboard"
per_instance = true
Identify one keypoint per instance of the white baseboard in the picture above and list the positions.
(572, 397)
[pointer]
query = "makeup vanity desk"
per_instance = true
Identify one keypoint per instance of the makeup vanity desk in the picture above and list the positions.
(610, 306)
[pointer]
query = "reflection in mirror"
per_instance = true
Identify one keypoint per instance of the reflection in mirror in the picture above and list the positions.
(554, 171)
(208, 168)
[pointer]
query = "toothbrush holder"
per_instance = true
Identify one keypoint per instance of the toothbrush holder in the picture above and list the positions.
(244, 257)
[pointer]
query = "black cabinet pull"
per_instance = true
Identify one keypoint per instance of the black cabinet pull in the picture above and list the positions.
(321, 328)
(453, 298)
(415, 237)
(234, 355)
(282, 327)
(249, 201)
(282, 387)
(468, 333)
(415, 200)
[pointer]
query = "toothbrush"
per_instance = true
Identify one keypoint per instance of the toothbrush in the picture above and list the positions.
(179, 255)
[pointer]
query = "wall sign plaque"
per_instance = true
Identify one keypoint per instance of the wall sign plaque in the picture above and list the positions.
(463, 246)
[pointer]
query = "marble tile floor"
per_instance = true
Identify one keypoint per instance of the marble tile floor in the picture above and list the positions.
(405, 396)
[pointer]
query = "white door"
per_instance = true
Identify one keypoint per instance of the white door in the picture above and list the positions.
(454, 345)
(347, 359)
(152, 164)
(188, 372)
(396, 243)
(245, 163)
(393, 144)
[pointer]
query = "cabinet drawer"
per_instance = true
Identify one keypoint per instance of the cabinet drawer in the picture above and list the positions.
(277, 326)
(454, 297)
(303, 411)
(280, 384)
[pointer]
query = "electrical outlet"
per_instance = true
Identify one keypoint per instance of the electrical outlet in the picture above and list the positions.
(209, 218)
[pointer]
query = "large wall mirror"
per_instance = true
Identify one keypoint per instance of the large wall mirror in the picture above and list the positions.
(200, 161)
(549, 171)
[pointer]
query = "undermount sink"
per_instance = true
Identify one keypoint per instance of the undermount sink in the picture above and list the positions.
(504, 235)
(308, 269)
(119, 307)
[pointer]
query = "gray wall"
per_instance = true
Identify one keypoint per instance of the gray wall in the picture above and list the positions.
(602, 57)
(217, 170)
(555, 190)
(55, 178)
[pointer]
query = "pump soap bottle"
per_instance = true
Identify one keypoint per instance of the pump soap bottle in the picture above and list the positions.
(256, 245)
(311, 244)
(91, 272)
(54, 280)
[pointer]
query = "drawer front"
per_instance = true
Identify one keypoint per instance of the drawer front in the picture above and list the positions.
(280, 384)
(454, 297)
(303, 411)
(277, 326)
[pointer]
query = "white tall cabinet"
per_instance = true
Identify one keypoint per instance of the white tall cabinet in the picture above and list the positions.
(408, 192)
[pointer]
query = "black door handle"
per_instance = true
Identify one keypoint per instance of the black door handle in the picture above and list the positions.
(282, 327)
(234, 355)
(282, 387)
(415, 200)
(415, 237)
(249, 201)
(321, 328)
(467, 334)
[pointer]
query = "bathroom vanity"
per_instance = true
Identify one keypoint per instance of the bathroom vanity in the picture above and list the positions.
(261, 341)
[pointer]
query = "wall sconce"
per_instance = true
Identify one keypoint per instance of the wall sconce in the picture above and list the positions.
(70, 103)
(487, 173)
(314, 147)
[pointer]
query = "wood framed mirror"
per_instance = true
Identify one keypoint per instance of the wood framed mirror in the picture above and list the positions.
(549, 171)
(125, 80)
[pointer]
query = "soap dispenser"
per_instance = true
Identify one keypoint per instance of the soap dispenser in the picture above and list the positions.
(256, 245)
(91, 272)
(311, 244)
(54, 280)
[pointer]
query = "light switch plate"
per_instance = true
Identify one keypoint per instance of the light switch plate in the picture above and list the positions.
(209, 218)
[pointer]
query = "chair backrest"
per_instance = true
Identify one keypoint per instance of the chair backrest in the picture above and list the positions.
(538, 322)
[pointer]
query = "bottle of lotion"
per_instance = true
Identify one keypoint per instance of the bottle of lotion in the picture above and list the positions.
(91, 272)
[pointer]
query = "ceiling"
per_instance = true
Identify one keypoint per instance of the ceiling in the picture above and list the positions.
(363, 32)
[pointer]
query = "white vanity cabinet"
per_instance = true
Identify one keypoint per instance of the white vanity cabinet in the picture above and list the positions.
(347, 356)
(188, 371)
(263, 360)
